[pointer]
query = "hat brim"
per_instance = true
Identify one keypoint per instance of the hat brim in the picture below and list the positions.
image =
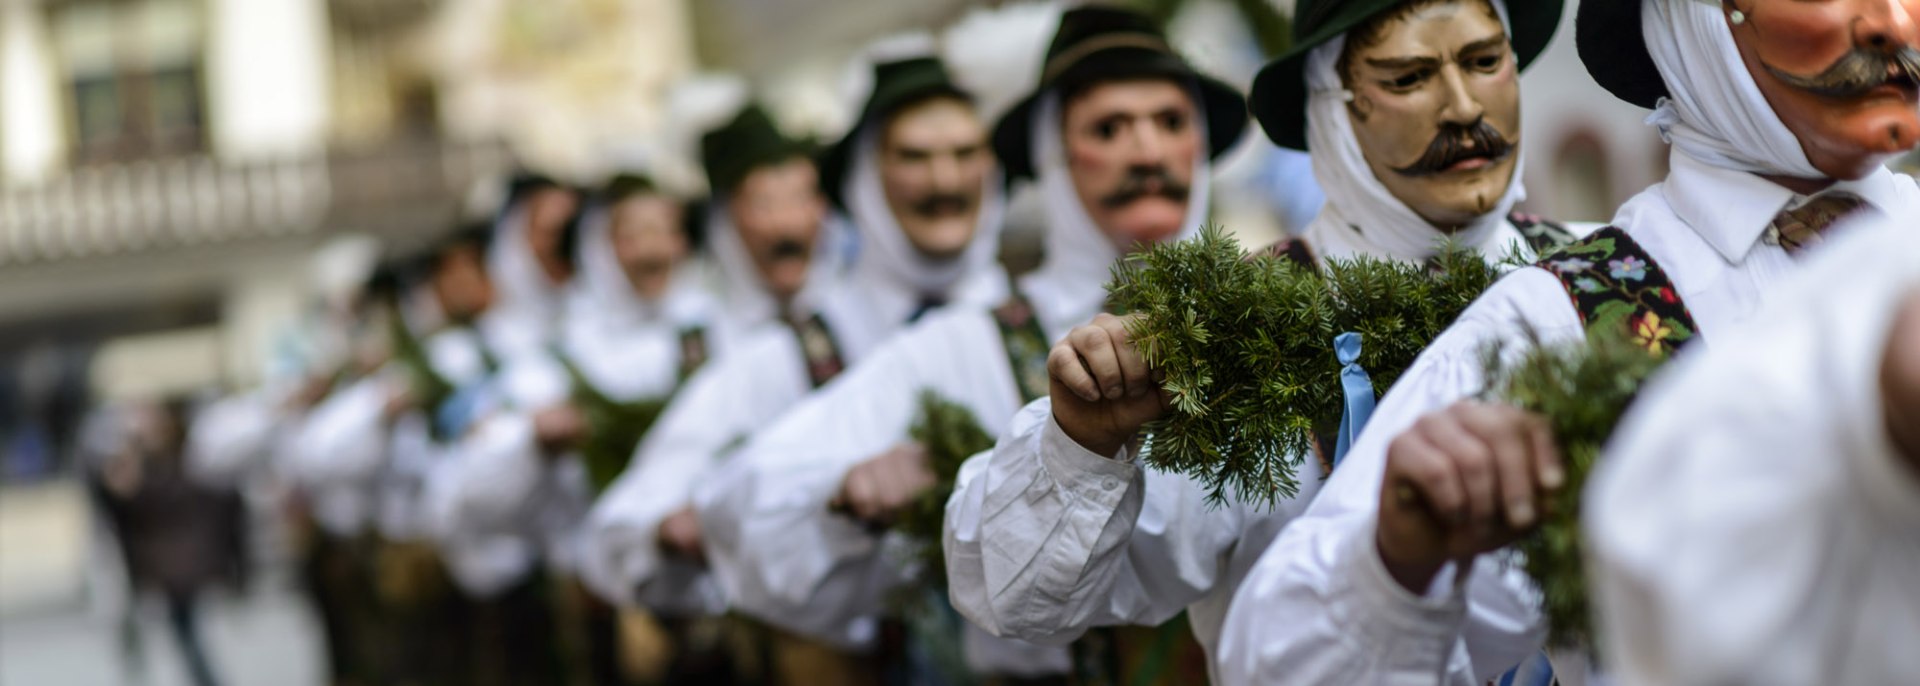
(1608, 36)
(1226, 112)
(1279, 95)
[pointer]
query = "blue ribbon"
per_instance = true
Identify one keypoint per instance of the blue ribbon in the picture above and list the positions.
(1535, 671)
(1357, 387)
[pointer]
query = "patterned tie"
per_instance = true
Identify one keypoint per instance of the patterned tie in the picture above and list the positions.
(1799, 228)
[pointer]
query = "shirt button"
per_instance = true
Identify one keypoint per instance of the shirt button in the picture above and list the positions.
(1110, 483)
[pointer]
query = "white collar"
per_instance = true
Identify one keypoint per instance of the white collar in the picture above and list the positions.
(1732, 210)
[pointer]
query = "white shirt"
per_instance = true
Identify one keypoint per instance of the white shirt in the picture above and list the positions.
(338, 452)
(1751, 522)
(1319, 606)
(1046, 540)
(734, 395)
(779, 553)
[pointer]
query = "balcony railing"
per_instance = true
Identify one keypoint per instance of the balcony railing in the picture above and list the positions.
(156, 205)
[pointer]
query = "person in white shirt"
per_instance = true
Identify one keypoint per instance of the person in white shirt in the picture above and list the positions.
(1756, 518)
(1119, 136)
(1051, 568)
(924, 194)
(1396, 572)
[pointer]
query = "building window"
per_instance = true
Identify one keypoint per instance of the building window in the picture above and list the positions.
(134, 77)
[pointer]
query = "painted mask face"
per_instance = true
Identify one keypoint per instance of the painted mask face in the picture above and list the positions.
(547, 212)
(649, 241)
(1131, 148)
(1843, 75)
(933, 170)
(778, 210)
(1436, 107)
(461, 283)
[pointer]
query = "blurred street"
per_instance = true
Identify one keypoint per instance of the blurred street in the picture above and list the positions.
(61, 609)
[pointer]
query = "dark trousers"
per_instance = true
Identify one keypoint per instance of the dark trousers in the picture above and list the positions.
(183, 619)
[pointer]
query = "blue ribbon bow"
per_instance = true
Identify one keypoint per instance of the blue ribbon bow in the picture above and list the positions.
(1357, 387)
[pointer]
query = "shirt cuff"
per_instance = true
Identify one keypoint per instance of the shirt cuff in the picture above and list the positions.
(1081, 472)
(1391, 617)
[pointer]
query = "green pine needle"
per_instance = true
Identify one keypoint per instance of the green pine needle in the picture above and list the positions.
(1246, 347)
(614, 428)
(1581, 389)
(950, 434)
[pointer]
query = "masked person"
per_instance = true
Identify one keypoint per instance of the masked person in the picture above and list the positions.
(1781, 115)
(1119, 136)
(1413, 127)
(1792, 527)
(502, 517)
(921, 187)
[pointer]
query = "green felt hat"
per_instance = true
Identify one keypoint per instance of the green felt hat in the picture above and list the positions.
(748, 142)
(1279, 94)
(1097, 43)
(896, 85)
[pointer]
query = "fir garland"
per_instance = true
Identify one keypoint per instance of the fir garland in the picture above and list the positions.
(614, 428)
(429, 388)
(1581, 390)
(1246, 348)
(950, 434)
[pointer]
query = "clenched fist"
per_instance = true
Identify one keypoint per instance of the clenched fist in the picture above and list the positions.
(1102, 391)
(559, 427)
(876, 491)
(1463, 481)
(1900, 381)
(680, 535)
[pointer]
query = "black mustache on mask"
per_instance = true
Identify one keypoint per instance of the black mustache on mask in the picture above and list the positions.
(1861, 70)
(788, 248)
(936, 205)
(1137, 186)
(1458, 143)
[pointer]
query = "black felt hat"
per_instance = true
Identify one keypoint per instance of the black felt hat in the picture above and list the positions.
(896, 85)
(1096, 44)
(1279, 94)
(749, 141)
(1607, 33)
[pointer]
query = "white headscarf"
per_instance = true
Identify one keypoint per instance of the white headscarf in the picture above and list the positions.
(1715, 112)
(603, 286)
(745, 298)
(529, 304)
(885, 250)
(1356, 199)
(1070, 286)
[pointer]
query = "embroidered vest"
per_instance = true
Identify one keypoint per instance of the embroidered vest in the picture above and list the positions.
(693, 351)
(1027, 347)
(818, 347)
(1614, 284)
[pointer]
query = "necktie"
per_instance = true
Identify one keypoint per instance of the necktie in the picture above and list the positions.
(1799, 228)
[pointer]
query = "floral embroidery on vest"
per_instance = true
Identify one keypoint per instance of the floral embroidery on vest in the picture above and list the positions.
(1027, 347)
(818, 347)
(1614, 283)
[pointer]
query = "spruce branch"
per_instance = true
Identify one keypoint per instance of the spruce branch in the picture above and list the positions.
(1246, 348)
(1581, 389)
(950, 434)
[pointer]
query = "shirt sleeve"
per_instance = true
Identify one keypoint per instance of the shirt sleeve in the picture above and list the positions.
(342, 441)
(703, 425)
(490, 477)
(1045, 539)
(1319, 606)
(779, 552)
(1769, 451)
